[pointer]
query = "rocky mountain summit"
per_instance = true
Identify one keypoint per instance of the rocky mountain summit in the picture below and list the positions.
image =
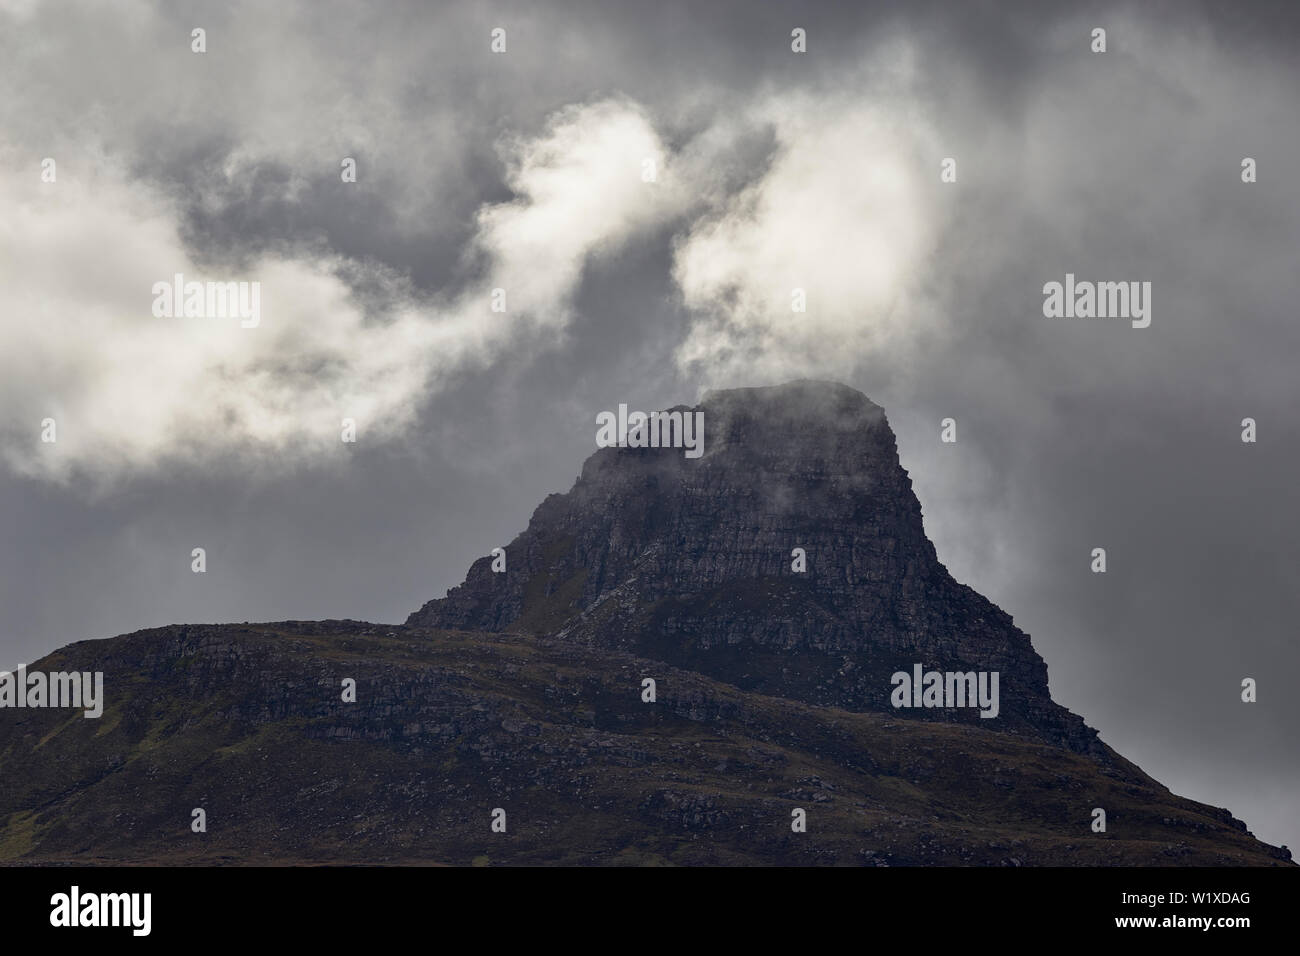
(768, 588)
(690, 561)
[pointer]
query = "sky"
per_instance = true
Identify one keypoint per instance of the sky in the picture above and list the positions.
(648, 183)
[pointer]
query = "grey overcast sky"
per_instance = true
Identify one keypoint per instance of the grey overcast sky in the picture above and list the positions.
(523, 170)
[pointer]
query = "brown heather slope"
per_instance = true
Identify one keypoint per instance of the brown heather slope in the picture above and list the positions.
(246, 721)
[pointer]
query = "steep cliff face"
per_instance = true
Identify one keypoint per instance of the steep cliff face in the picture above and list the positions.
(692, 561)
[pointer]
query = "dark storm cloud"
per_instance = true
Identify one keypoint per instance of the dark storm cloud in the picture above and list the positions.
(1072, 435)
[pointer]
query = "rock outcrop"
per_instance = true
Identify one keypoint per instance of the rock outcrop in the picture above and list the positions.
(690, 561)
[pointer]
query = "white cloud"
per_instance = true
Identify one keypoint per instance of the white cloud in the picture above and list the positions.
(580, 189)
(129, 391)
(846, 211)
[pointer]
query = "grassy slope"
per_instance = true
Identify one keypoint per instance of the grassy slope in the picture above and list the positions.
(247, 723)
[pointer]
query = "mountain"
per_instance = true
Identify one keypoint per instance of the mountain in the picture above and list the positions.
(689, 561)
(525, 690)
